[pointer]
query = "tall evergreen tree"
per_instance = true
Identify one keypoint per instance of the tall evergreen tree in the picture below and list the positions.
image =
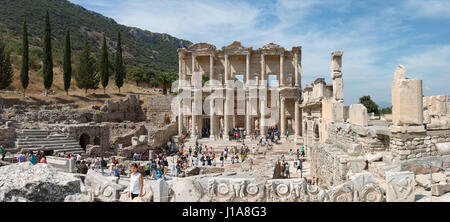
(6, 72)
(118, 65)
(104, 65)
(48, 60)
(86, 76)
(24, 79)
(67, 63)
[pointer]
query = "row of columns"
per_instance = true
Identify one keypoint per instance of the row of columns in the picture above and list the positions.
(227, 118)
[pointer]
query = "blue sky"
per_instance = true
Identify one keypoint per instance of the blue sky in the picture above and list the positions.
(375, 35)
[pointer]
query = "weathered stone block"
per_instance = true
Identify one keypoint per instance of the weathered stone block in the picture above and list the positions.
(400, 186)
(358, 115)
(407, 102)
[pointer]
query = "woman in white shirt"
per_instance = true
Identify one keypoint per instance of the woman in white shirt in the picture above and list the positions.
(136, 182)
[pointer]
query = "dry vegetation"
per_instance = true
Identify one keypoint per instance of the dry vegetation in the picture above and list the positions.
(36, 94)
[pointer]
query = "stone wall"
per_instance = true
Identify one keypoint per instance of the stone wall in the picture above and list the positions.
(328, 165)
(374, 138)
(159, 136)
(128, 109)
(98, 133)
(416, 145)
(8, 137)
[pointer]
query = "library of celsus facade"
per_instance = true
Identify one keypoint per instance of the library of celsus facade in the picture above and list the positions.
(256, 72)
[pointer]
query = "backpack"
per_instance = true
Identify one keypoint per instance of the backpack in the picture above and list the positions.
(104, 164)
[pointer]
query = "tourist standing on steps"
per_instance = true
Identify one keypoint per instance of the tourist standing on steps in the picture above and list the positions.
(33, 159)
(103, 164)
(136, 182)
(287, 170)
(2, 151)
(303, 151)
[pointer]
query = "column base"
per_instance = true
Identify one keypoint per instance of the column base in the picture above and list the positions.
(212, 137)
(298, 140)
(226, 138)
(283, 138)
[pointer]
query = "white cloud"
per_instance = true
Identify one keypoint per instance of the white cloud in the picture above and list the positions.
(439, 9)
(370, 39)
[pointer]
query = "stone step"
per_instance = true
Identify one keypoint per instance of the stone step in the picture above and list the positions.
(27, 142)
(53, 148)
(48, 145)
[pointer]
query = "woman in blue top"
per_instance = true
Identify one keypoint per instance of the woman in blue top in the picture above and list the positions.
(33, 159)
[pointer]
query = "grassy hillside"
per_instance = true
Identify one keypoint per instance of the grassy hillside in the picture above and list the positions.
(153, 51)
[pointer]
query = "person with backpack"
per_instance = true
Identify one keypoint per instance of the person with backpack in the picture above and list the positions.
(103, 165)
(286, 169)
(221, 158)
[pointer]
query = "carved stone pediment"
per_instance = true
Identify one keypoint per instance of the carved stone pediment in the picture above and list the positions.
(272, 48)
(236, 48)
(203, 47)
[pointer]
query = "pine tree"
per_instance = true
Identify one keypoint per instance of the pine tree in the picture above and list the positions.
(48, 61)
(6, 72)
(67, 63)
(118, 65)
(24, 79)
(104, 65)
(86, 76)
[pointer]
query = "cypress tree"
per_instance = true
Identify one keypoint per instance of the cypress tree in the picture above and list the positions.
(25, 67)
(118, 65)
(86, 77)
(67, 63)
(48, 61)
(104, 65)
(6, 72)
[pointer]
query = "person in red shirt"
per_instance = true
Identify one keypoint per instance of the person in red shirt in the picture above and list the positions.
(43, 159)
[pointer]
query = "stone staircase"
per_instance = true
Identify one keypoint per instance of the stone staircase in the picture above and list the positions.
(41, 140)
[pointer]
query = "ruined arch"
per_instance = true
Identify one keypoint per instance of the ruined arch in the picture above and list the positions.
(84, 140)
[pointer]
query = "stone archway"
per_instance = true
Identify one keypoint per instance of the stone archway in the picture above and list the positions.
(84, 140)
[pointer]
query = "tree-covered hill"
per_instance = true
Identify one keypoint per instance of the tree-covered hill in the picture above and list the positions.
(152, 51)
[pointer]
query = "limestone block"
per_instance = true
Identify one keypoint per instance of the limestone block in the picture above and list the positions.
(374, 157)
(440, 189)
(400, 186)
(356, 165)
(443, 148)
(407, 102)
(187, 190)
(400, 72)
(338, 88)
(338, 111)
(160, 191)
(101, 188)
(358, 115)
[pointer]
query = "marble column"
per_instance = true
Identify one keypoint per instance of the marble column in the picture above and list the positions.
(180, 118)
(296, 70)
(228, 97)
(212, 121)
(248, 119)
(180, 70)
(281, 69)
(211, 67)
(283, 117)
(298, 120)
(263, 101)
(247, 68)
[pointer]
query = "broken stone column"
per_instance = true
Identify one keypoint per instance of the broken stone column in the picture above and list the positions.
(161, 191)
(407, 102)
(336, 75)
(358, 115)
(400, 186)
